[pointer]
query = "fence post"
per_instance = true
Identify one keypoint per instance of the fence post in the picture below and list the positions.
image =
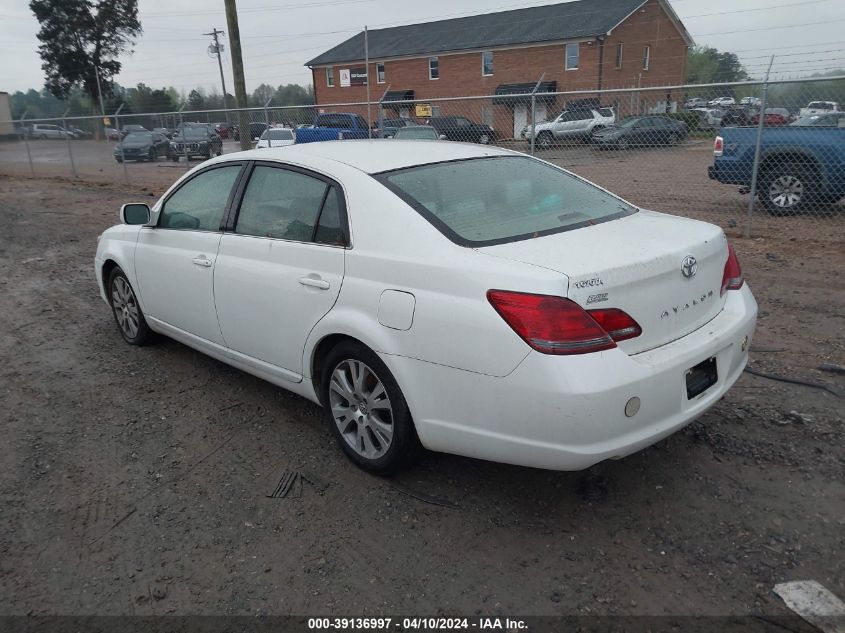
(380, 113)
(69, 150)
(184, 136)
(26, 142)
(120, 142)
(755, 168)
(534, 112)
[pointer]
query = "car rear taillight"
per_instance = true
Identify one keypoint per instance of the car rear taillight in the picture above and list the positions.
(732, 277)
(618, 324)
(551, 325)
(718, 146)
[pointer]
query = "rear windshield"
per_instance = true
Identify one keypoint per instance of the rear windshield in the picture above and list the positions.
(485, 201)
(277, 135)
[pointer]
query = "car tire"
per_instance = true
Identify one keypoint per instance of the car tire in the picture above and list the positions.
(484, 139)
(119, 160)
(672, 139)
(621, 144)
(545, 140)
(153, 155)
(126, 310)
(354, 385)
(175, 159)
(43, 137)
(786, 189)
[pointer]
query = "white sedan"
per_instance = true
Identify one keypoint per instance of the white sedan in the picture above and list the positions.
(470, 299)
(276, 137)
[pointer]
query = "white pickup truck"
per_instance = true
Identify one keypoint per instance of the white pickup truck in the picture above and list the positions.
(573, 123)
(820, 107)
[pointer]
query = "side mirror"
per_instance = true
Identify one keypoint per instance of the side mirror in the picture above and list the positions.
(135, 213)
(442, 137)
(255, 138)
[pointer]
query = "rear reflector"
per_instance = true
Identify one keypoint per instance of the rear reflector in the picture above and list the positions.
(618, 324)
(551, 325)
(732, 277)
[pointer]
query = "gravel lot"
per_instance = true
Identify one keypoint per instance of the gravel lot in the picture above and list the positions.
(136, 481)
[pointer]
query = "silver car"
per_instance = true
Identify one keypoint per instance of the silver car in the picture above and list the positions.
(44, 131)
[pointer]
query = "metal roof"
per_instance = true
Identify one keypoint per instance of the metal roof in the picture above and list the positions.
(570, 20)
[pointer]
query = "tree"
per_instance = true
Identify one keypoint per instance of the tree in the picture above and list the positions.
(196, 100)
(78, 36)
(708, 65)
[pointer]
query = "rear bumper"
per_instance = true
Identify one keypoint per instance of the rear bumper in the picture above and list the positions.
(567, 413)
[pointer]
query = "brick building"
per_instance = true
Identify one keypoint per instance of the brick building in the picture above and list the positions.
(583, 45)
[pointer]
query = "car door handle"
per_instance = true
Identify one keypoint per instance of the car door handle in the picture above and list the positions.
(315, 282)
(202, 261)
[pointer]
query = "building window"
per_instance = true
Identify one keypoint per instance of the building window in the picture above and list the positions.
(646, 57)
(487, 63)
(330, 77)
(572, 56)
(380, 73)
(619, 55)
(433, 68)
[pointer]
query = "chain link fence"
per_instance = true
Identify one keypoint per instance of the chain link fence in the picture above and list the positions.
(751, 156)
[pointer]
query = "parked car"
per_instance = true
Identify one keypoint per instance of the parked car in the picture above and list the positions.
(820, 107)
(333, 126)
(773, 116)
(390, 126)
(418, 133)
(142, 146)
(737, 115)
(224, 129)
(710, 117)
(836, 119)
(113, 134)
(255, 131)
(163, 131)
(751, 101)
(78, 133)
(800, 166)
(46, 131)
(571, 124)
(195, 140)
(695, 102)
(569, 299)
(642, 131)
(458, 128)
(276, 137)
(721, 102)
(128, 129)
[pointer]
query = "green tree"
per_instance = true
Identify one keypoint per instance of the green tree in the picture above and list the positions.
(196, 100)
(78, 36)
(708, 65)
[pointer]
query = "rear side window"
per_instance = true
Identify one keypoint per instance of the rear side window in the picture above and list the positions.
(288, 205)
(199, 203)
(484, 201)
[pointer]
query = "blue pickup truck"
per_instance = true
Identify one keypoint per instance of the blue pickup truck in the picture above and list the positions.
(800, 166)
(333, 126)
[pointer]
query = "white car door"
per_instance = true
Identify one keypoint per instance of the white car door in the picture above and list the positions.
(279, 272)
(174, 261)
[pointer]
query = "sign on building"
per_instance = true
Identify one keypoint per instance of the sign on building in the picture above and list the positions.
(423, 110)
(353, 77)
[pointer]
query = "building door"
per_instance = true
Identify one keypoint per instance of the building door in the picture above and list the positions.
(520, 119)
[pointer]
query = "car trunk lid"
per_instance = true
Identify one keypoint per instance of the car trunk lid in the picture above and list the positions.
(665, 272)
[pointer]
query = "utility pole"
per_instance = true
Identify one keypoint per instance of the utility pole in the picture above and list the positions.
(238, 73)
(102, 108)
(216, 49)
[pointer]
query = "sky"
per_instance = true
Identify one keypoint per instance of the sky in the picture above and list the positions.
(278, 37)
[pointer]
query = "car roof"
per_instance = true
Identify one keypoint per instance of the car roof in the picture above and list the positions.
(372, 156)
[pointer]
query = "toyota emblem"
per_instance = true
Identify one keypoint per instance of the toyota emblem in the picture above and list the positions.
(689, 266)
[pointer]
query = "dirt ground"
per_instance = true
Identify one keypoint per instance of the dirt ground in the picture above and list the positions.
(136, 481)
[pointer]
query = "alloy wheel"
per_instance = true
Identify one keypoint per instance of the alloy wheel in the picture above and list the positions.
(361, 408)
(125, 307)
(786, 192)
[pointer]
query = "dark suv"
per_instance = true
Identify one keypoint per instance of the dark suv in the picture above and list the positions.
(195, 140)
(458, 128)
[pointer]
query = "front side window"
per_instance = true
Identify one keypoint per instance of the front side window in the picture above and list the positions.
(286, 204)
(330, 77)
(433, 68)
(572, 56)
(619, 55)
(485, 201)
(380, 76)
(199, 204)
(487, 63)
(646, 57)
